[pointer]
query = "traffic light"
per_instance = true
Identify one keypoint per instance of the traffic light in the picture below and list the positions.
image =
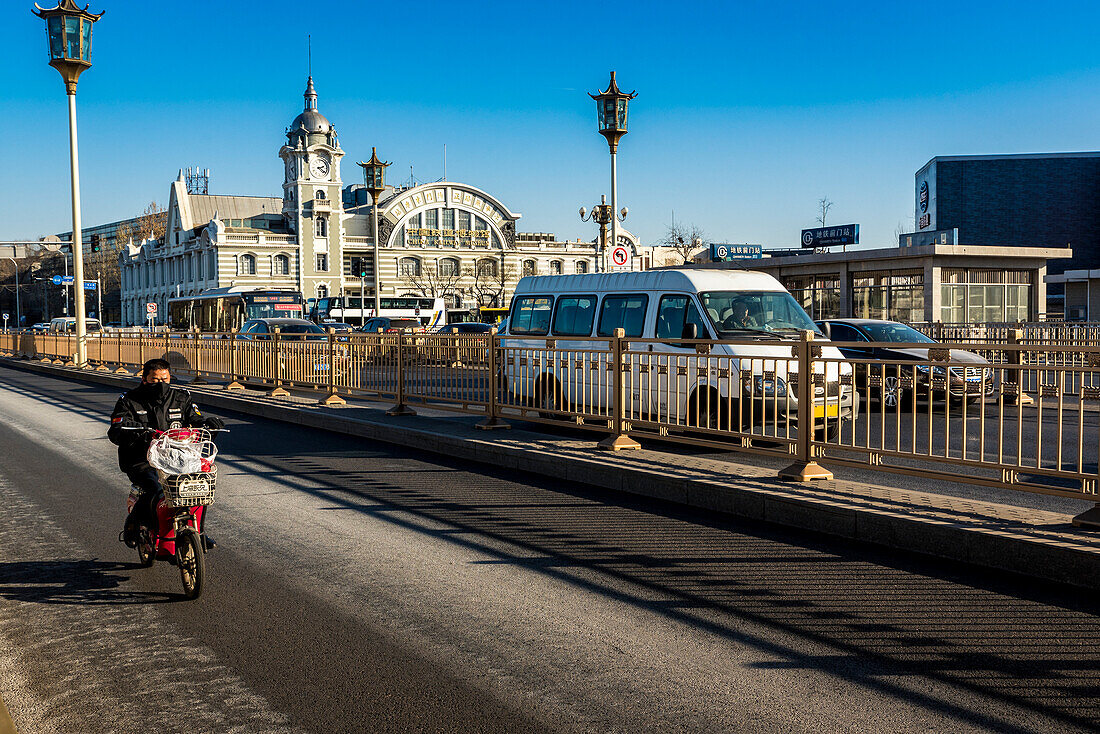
(95, 243)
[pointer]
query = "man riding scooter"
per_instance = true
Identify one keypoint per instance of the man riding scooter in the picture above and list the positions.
(152, 405)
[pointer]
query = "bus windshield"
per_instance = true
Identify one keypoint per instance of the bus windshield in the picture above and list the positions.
(736, 312)
(273, 306)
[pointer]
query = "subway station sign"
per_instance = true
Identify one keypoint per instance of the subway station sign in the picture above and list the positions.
(843, 234)
(723, 251)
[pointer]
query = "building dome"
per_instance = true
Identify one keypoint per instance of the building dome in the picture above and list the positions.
(310, 122)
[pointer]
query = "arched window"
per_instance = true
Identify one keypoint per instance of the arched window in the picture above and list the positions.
(322, 291)
(281, 265)
(247, 265)
(582, 266)
(555, 267)
(530, 267)
(319, 194)
(487, 268)
(409, 266)
(320, 228)
(448, 267)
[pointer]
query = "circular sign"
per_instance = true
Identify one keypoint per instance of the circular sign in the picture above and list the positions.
(807, 238)
(620, 255)
(150, 308)
(923, 196)
(722, 251)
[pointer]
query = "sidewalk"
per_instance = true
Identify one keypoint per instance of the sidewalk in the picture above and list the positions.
(1035, 543)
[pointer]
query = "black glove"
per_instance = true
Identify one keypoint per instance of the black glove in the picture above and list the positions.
(213, 423)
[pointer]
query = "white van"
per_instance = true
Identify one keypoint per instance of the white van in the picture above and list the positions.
(67, 325)
(665, 377)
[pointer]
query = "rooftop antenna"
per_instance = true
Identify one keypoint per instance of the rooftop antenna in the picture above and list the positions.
(309, 54)
(444, 161)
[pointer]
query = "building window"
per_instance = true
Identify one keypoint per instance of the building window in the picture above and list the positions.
(413, 222)
(248, 265)
(448, 267)
(190, 269)
(319, 194)
(530, 267)
(974, 295)
(322, 291)
(463, 220)
(581, 266)
(409, 266)
(480, 223)
(431, 219)
(819, 296)
(448, 219)
(282, 265)
(322, 263)
(898, 296)
(555, 267)
(320, 227)
(487, 268)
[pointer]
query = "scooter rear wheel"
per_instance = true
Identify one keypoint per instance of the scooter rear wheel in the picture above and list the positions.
(147, 551)
(192, 565)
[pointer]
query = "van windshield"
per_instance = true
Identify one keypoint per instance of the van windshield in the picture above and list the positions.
(734, 312)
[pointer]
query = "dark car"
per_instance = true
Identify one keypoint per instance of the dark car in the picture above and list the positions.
(895, 385)
(337, 326)
(464, 328)
(386, 323)
(289, 329)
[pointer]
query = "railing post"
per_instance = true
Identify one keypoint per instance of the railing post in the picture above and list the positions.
(121, 363)
(278, 391)
(197, 352)
(805, 468)
(400, 408)
(332, 398)
(1015, 338)
(493, 421)
(618, 440)
(233, 367)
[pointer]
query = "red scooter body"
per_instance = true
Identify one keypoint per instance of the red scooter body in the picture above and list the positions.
(165, 538)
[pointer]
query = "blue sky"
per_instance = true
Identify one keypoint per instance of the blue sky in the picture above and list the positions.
(748, 112)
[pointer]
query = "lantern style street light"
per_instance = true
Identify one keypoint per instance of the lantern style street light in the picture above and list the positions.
(69, 37)
(611, 107)
(374, 173)
(603, 215)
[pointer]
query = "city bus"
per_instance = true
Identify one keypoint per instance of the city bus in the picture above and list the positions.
(347, 309)
(225, 309)
(491, 316)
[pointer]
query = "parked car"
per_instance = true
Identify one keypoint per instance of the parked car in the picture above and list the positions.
(733, 385)
(67, 325)
(962, 381)
(40, 328)
(388, 324)
(338, 326)
(459, 351)
(464, 328)
(290, 329)
(302, 359)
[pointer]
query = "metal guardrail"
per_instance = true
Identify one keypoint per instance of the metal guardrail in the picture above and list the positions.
(1028, 420)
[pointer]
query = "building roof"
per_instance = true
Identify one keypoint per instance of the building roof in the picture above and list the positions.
(204, 207)
(1010, 156)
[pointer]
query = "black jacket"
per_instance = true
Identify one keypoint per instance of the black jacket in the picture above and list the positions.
(138, 408)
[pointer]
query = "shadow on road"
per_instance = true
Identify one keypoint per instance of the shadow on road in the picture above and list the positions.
(82, 582)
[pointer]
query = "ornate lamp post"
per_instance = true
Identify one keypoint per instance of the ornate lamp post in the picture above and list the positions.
(69, 36)
(602, 215)
(611, 107)
(374, 173)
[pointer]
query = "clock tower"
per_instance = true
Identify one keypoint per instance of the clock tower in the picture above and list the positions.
(311, 197)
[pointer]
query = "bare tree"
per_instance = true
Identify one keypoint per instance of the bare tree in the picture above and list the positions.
(435, 279)
(491, 278)
(824, 205)
(150, 224)
(681, 239)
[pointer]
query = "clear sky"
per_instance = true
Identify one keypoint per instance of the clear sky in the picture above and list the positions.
(748, 113)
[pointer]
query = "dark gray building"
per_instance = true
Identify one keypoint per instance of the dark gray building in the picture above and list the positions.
(1031, 200)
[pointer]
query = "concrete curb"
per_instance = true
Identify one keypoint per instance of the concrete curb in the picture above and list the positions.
(1006, 545)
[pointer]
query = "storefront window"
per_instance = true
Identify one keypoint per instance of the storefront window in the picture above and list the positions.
(819, 296)
(982, 296)
(887, 295)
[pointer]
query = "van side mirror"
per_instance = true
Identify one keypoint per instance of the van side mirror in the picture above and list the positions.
(827, 329)
(691, 331)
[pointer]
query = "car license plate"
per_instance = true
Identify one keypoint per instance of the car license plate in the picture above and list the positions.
(826, 411)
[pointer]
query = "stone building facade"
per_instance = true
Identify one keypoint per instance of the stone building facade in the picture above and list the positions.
(444, 239)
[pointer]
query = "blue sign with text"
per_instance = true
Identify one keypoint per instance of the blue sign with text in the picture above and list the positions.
(842, 234)
(89, 285)
(723, 251)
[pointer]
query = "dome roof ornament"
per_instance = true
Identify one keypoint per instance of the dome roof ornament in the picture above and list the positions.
(310, 122)
(310, 95)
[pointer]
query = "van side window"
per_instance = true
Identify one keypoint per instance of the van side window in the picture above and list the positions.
(676, 312)
(531, 316)
(574, 315)
(626, 312)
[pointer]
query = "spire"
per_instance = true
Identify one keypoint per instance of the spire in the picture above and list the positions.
(310, 95)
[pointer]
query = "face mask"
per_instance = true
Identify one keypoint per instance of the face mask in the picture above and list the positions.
(157, 391)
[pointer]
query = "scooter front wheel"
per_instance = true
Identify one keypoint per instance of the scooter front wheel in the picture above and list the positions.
(146, 548)
(192, 565)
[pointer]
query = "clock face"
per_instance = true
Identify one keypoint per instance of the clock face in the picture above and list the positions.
(319, 168)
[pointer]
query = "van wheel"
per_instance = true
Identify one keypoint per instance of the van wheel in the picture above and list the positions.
(548, 399)
(716, 413)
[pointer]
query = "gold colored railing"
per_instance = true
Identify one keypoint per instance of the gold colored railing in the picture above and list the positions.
(1027, 419)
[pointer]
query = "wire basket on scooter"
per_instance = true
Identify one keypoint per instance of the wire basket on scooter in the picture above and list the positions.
(184, 460)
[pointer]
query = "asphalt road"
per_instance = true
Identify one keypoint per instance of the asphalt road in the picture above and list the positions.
(361, 588)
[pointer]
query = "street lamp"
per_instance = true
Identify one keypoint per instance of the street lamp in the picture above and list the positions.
(603, 215)
(611, 107)
(17, 310)
(69, 37)
(374, 174)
